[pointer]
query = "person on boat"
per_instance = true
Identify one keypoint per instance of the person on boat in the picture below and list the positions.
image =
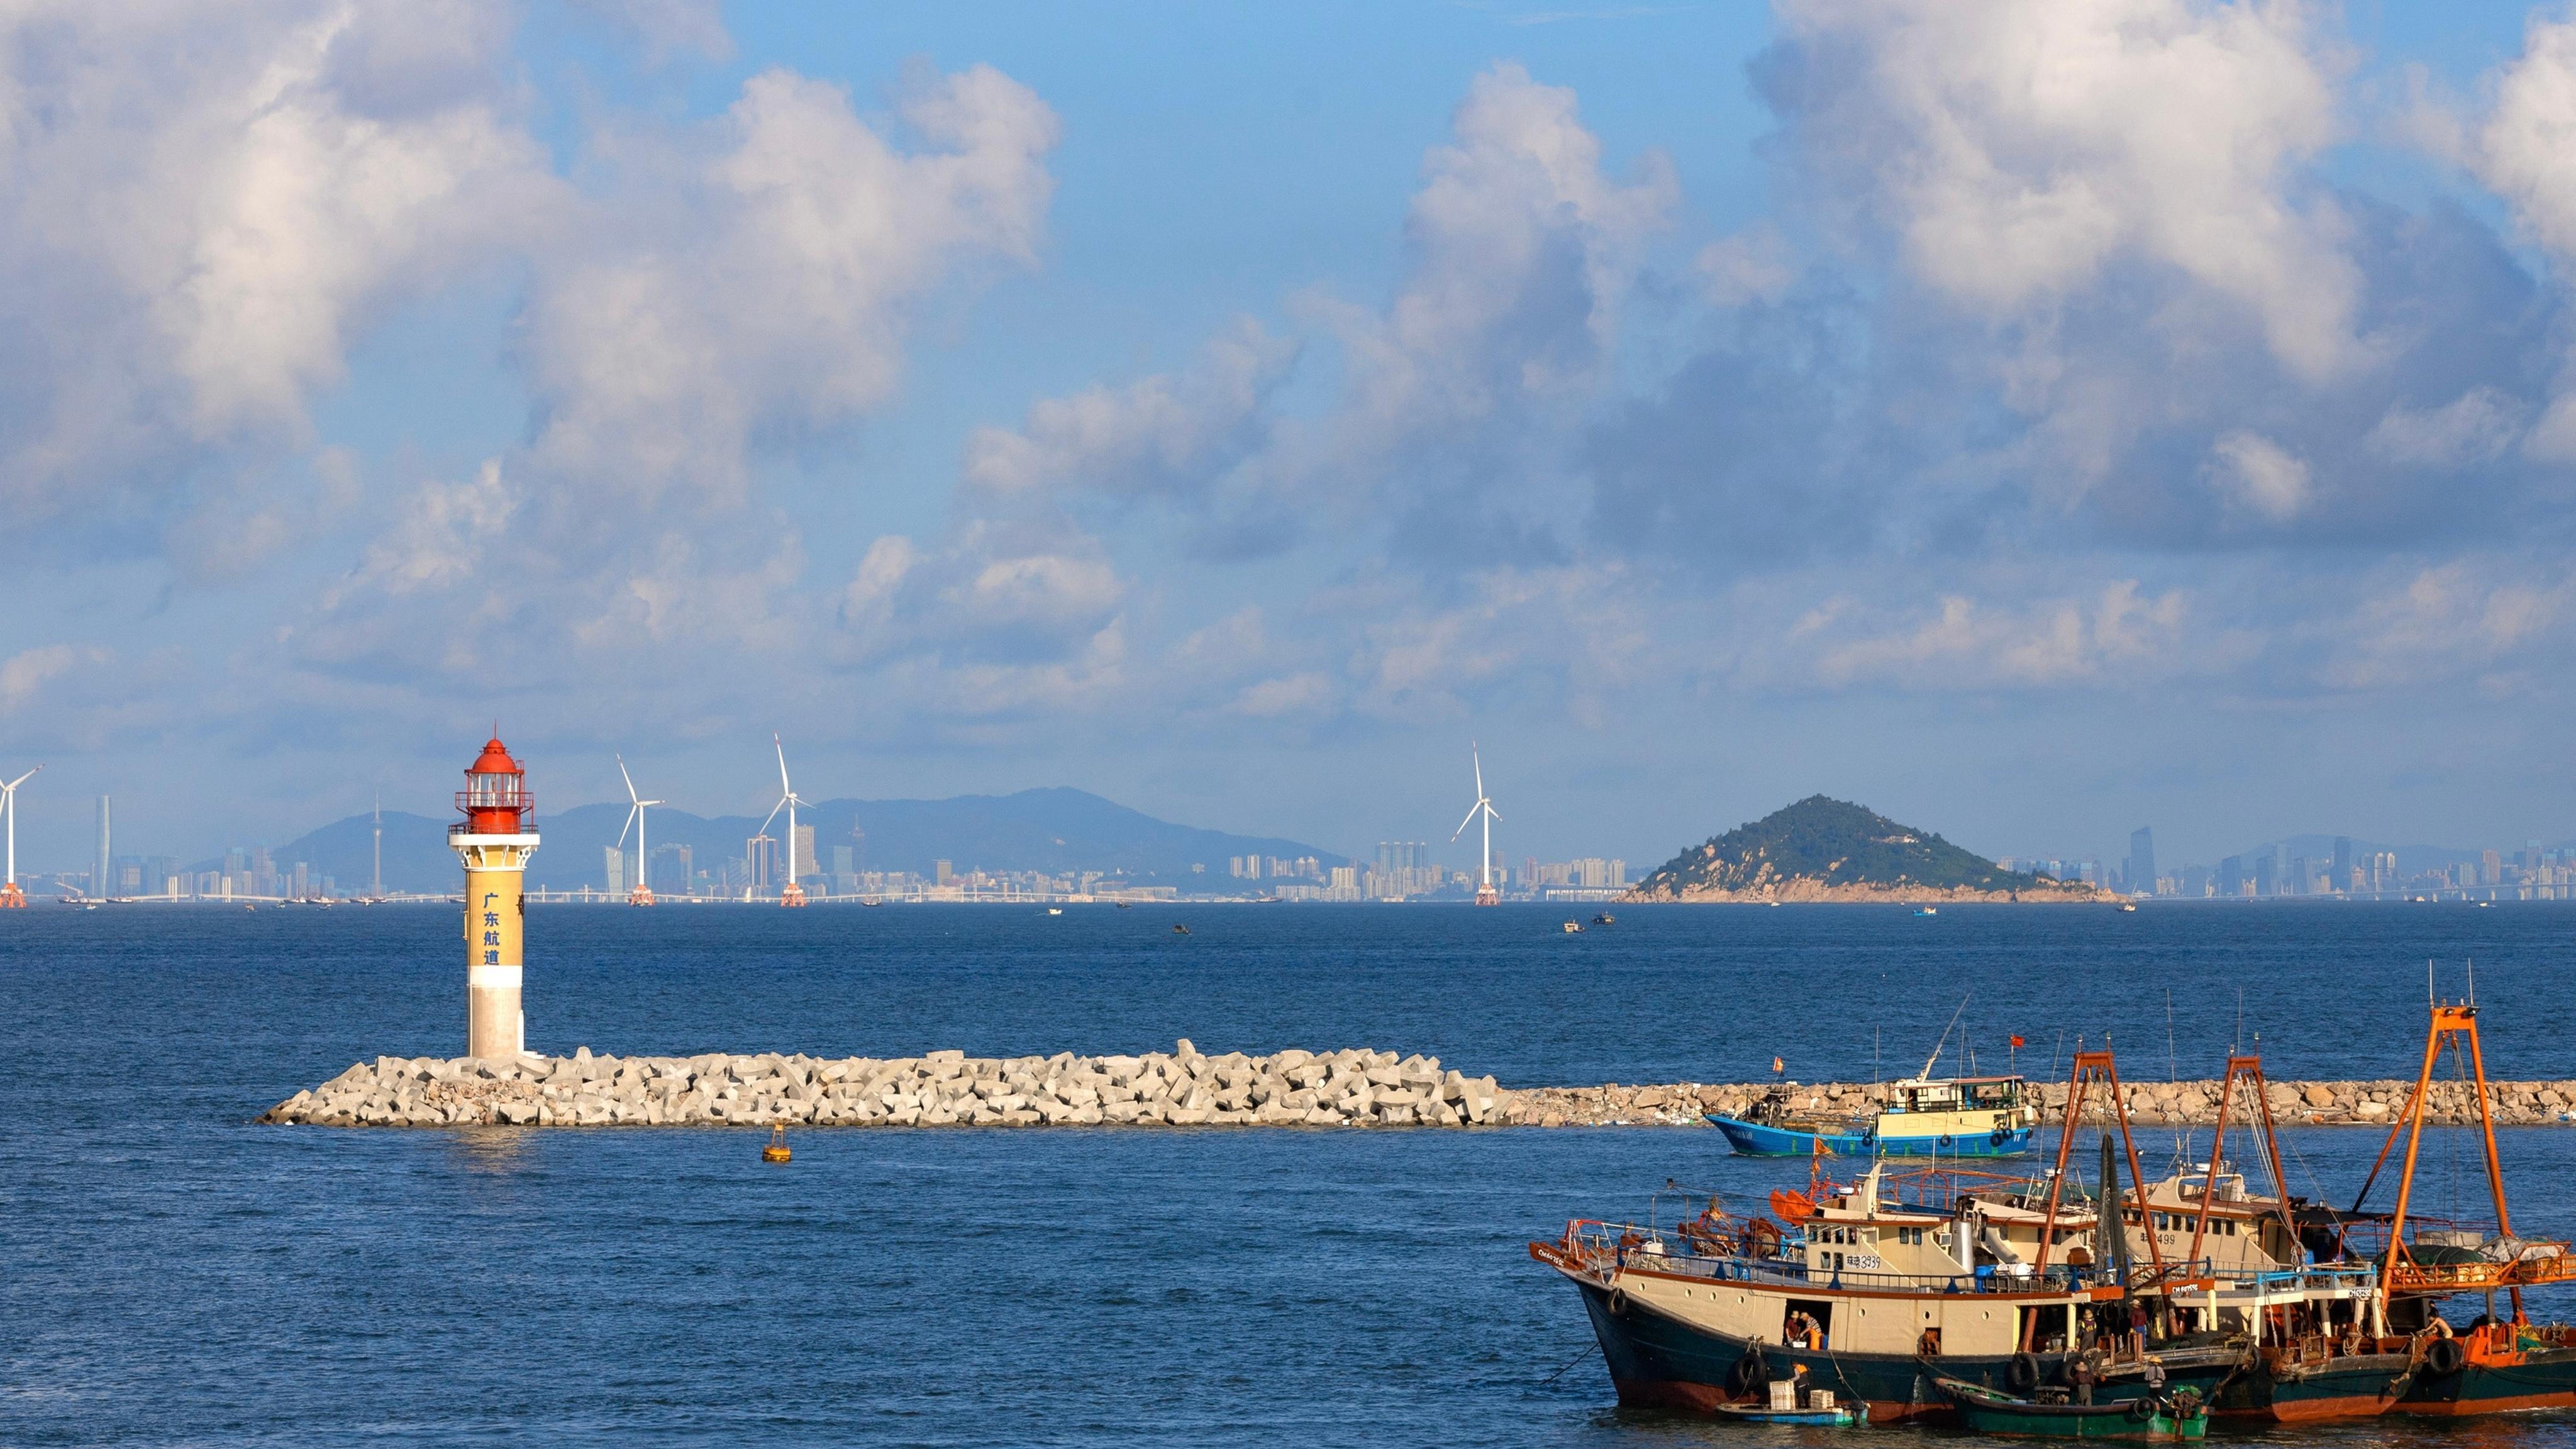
(2137, 1328)
(2440, 1327)
(2083, 1376)
(1802, 1330)
(2155, 1375)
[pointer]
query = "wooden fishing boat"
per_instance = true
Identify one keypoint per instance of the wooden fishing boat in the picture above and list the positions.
(2160, 1420)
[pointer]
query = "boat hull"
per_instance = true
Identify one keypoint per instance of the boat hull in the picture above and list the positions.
(2541, 1379)
(2357, 1387)
(1755, 1139)
(1660, 1362)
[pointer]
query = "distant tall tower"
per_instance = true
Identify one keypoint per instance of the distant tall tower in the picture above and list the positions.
(495, 839)
(2142, 862)
(376, 882)
(99, 882)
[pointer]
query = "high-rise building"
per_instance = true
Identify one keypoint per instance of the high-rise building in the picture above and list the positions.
(2231, 876)
(2267, 867)
(760, 862)
(102, 881)
(806, 864)
(2142, 861)
(944, 872)
(673, 872)
(616, 871)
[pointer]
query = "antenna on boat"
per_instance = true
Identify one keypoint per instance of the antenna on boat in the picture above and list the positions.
(1934, 1060)
(2429, 998)
(2473, 981)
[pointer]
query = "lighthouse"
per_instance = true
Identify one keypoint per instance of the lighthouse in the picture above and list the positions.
(495, 839)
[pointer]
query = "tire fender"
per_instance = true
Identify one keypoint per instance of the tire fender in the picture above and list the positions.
(2022, 1373)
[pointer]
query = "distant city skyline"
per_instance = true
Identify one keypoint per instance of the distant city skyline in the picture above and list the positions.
(1702, 407)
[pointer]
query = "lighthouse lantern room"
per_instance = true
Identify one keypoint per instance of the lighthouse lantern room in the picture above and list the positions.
(494, 840)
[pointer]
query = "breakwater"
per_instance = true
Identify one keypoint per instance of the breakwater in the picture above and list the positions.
(2157, 1104)
(1179, 1088)
(1186, 1088)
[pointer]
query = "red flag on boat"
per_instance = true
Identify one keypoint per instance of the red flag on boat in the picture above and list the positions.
(2018, 1043)
(1777, 1066)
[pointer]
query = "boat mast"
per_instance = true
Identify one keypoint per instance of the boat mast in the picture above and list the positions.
(2090, 1068)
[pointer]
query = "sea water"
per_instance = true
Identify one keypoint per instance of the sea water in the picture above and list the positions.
(171, 1273)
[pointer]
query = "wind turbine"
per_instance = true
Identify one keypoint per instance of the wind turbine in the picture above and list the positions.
(642, 893)
(791, 894)
(1486, 895)
(12, 898)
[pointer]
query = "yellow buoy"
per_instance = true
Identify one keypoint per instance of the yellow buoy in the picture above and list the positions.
(776, 1151)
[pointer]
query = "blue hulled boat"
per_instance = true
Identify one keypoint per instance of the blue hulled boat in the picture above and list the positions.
(1924, 1117)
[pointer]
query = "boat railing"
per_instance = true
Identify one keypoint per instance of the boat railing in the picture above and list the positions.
(1604, 1248)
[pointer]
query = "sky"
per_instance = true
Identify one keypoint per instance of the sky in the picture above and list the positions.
(2033, 420)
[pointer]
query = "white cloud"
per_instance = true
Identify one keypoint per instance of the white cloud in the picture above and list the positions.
(1753, 265)
(2259, 475)
(1523, 249)
(201, 206)
(2018, 149)
(2481, 618)
(2114, 639)
(1165, 433)
(2476, 427)
(2526, 151)
(772, 288)
(2526, 154)
(24, 675)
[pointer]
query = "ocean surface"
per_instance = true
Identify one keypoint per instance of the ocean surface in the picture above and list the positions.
(172, 1274)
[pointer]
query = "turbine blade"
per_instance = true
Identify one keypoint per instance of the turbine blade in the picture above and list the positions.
(1490, 812)
(1463, 824)
(22, 779)
(629, 779)
(772, 815)
(783, 787)
(629, 825)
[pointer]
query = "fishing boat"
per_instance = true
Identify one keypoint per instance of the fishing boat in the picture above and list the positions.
(1878, 1288)
(1605, 919)
(1982, 1410)
(1572, 928)
(1927, 910)
(1922, 1116)
(2501, 1361)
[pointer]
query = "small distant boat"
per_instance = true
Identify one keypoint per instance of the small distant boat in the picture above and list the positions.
(1927, 910)
(1055, 910)
(1572, 928)
(1180, 930)
(1605, 919)
(2180, 1418)
(1122, 905)
(2128, 905)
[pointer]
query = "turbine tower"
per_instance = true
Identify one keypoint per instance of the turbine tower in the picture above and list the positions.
(1482, 810)
(790, 894)
(12, 898)
(642, 894)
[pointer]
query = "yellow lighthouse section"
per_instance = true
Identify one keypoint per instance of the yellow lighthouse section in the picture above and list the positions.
(494, 841)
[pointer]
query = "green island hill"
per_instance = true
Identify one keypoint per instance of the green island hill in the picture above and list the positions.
(1821, 849)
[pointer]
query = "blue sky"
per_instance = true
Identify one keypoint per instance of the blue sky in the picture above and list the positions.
(2031, 420)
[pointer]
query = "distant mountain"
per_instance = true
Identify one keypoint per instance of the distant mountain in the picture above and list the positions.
(1831, 850)
(1053, 830)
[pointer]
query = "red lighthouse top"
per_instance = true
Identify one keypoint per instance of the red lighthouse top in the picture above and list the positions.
(495, 798)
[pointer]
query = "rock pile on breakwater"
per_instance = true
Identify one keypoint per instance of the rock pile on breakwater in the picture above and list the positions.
(1186, 1088)
(1179, 1088)
(2519, 1104)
